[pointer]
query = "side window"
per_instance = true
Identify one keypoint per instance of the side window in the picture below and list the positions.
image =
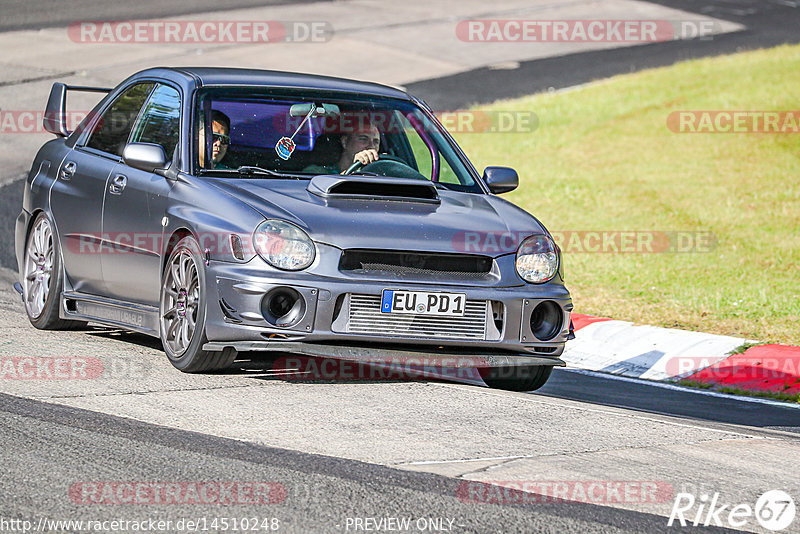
(424, 157)
(111, 132)
(421, 151)
(422, 154)
(160, 120)
(446, 173)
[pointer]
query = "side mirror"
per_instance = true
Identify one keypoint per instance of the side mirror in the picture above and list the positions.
(146, 157)
(500, 179)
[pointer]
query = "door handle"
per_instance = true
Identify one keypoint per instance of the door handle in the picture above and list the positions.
(68, 170)
(118, 183)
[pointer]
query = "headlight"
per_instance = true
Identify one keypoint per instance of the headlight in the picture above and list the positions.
(283, 245)
(537, 259)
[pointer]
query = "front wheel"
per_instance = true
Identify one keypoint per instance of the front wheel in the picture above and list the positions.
(517, 378)
(183, 312)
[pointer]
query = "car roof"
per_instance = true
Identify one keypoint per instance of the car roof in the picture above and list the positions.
(235, 76)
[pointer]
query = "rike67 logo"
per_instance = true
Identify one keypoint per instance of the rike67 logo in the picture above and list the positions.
(773, 510)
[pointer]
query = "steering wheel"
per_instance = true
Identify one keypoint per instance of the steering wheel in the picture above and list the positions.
(386, 165)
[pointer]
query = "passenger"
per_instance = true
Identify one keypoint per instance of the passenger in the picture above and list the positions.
(221, 127)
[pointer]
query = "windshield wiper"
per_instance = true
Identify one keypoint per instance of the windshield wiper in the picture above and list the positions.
(248, 170)
(251, 169)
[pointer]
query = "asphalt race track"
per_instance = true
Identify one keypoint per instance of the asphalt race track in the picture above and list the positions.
(338, 453)
(319, 490)
(36, 14)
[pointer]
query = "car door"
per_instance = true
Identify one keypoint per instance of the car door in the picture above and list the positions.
(136, 202)
(76, 198)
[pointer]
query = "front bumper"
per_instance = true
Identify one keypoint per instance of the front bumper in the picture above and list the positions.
(235, 319)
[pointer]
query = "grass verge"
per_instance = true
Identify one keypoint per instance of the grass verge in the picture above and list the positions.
(603, 159)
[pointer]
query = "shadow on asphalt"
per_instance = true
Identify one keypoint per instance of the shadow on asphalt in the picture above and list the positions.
(563, 384)
(275, 365)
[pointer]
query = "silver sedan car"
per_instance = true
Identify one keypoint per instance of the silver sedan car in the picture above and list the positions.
(231, 210)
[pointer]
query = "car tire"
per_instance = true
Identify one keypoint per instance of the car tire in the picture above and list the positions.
(517, 378)
(42, 278)
(182, 312)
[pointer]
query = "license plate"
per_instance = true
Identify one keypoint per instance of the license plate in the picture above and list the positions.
(422, 302)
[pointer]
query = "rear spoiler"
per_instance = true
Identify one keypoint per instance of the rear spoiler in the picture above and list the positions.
(55, 115)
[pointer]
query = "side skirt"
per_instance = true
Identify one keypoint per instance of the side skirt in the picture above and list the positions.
(111, 312)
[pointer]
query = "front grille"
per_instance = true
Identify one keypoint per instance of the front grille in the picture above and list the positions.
(366, 318)
(398, 263)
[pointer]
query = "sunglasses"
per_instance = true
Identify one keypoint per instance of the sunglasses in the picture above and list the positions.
(222, 138)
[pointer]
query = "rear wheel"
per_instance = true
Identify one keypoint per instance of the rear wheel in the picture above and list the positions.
(183, 312)
(42, 281)
(517, 378)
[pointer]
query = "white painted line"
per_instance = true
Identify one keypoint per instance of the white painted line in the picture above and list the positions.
(674, 387)
(469, 460)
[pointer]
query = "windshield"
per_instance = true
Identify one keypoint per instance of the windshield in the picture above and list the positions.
(257, 132)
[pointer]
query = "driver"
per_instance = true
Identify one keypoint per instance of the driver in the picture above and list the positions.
(361, 144)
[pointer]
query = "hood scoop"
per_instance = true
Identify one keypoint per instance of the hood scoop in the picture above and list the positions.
(373, 188)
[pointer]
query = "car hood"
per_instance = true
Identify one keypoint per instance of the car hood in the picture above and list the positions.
(458, 222)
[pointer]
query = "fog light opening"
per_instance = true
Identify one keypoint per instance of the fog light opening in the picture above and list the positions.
(546, 320)
(498, 314)
(283, 307)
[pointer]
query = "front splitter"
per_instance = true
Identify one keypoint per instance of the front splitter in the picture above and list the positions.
(382, 355)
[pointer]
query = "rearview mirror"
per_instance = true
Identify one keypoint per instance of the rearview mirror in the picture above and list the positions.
(322, 110)
(500, 179)
(146, 157)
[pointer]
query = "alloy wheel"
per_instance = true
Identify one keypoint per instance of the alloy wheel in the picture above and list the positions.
(39, 258)
(179, 307)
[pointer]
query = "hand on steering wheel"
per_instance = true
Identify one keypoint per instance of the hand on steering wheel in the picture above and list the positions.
(368, 155)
